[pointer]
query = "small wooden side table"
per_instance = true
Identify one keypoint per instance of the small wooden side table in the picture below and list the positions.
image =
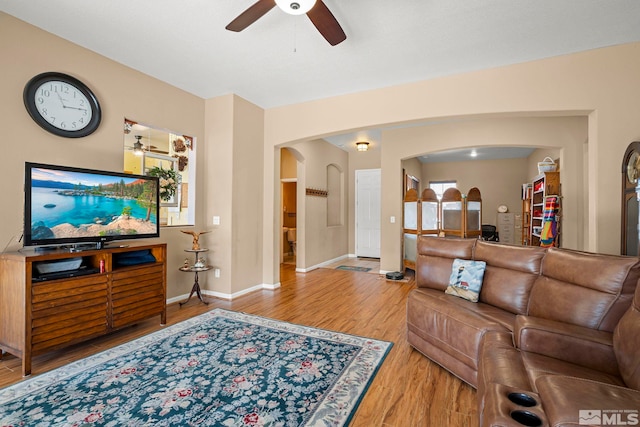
(192, 269)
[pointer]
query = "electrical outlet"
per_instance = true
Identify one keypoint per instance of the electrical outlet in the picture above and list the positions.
(392, 220)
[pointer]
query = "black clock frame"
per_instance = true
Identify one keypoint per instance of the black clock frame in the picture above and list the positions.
(30, 103)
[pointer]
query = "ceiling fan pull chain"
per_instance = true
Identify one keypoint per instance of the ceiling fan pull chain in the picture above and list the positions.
(295, 35)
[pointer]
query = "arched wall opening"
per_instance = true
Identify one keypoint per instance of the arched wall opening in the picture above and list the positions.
(600, 86)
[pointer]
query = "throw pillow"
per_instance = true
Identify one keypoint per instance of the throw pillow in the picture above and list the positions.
(466, 279)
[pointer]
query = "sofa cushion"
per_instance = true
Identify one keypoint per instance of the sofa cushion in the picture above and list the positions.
(452, 324)
(565, 399)
(538, 365)
(586, 289)
(435, 258)
(626, 344)
(576, 344)
(510, 274)
(466, 279)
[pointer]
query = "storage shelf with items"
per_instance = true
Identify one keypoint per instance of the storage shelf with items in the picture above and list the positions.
(526, 213)
(542, 204)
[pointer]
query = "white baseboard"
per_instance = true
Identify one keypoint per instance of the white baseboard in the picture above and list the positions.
(322, 264)
(226, 296)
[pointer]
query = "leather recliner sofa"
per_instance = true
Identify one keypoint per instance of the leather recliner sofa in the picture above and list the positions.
(555, 335)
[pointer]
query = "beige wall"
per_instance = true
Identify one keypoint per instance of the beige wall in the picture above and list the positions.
(318, 242)
(288, 165)
(413, 167)
(499, 181)
(246, 242)
(232, 185)
(122, 92)
(600, 86)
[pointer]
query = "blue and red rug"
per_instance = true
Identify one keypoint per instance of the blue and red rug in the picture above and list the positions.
(221, 368)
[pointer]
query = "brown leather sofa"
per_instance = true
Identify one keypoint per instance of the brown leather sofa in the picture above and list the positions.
(553, 337)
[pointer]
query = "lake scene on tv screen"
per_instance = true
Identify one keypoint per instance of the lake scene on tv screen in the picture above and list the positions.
(67, 205)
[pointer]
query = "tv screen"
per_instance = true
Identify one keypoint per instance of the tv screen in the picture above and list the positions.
(68, 205)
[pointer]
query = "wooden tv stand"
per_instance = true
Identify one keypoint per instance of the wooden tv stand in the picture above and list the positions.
(40, 316)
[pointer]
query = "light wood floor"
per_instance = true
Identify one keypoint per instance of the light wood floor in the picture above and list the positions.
(409, 390)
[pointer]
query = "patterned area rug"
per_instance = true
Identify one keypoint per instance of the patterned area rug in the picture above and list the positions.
(221, 368)
(352, 268)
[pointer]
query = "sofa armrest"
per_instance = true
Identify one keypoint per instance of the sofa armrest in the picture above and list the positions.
(567, 399)
(572, 343)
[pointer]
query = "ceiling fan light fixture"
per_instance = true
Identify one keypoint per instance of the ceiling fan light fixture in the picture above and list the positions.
(138, 148)
(362, 146)
(296, 7)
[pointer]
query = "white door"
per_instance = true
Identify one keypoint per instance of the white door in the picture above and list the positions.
(368, 213)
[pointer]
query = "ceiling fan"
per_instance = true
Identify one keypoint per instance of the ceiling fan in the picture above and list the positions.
(139, 148)
(316, 10)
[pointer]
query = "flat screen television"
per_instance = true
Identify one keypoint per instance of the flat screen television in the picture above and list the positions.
(69, 205)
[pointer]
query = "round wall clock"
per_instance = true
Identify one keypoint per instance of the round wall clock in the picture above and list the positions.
(503, 209)
(62, 105)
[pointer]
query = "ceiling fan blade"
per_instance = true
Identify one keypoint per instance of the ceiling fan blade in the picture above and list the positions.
(251, 15)
(326, 23)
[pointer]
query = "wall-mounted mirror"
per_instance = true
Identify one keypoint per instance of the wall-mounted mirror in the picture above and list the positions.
(170, 155)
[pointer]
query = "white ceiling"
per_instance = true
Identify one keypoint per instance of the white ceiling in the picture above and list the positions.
(281, 59)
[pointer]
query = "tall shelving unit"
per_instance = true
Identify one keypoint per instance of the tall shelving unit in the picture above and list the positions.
(543, 186)
(526, 214)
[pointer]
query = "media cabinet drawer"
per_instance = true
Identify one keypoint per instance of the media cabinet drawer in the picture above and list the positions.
(137, 271)
(59, 293)
(62, 333)
(68, 323)
(137, 294)
(133, 311)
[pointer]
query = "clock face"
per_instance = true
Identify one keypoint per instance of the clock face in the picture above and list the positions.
(62, 105)
(633, 167)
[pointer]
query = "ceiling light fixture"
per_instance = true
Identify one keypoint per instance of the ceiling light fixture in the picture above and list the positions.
(296, 7)
(474, 153)
(138, 148)
(362, 146)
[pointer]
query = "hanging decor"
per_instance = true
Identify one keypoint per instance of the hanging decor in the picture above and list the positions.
(168, 181)
(317, 193)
